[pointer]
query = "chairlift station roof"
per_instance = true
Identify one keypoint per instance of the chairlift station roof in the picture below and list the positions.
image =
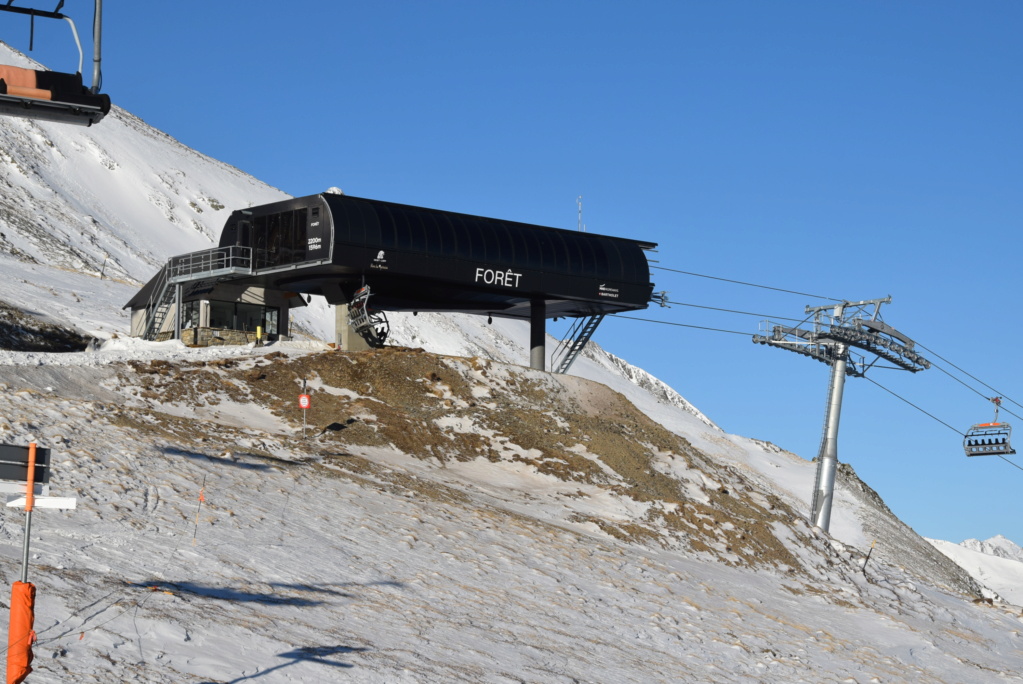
(418, 259)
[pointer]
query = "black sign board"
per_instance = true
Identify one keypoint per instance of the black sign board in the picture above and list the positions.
(14, 464)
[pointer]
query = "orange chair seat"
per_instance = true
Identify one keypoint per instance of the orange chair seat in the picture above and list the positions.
(18, 77)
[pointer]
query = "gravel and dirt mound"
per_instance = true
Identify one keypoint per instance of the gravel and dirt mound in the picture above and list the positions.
(588, 441)
(22, 331)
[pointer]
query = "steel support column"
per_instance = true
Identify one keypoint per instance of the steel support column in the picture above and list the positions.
(538, 334)
(177, 311)
(827, 463)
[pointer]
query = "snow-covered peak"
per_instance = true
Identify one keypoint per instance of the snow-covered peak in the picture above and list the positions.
(995, 546)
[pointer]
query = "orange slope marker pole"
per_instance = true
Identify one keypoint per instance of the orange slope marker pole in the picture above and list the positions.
(20, 635)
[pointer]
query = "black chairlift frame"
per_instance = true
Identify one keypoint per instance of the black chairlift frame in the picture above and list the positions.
(69, 101)
(989, 439)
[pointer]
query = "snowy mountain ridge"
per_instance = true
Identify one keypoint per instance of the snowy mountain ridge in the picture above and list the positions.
(995, 546)
(437, 515)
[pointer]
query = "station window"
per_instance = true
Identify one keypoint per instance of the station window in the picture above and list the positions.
(190, 315)
(245, 317)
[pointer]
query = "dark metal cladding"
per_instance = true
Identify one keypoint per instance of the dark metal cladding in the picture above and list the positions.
(419, 259)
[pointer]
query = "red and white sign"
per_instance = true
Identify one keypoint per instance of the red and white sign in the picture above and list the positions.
(303, 401)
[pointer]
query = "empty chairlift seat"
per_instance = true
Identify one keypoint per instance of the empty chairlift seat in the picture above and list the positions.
(50, 96)
(989, 439)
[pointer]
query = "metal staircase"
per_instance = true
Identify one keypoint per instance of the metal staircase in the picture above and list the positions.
(159, 304)
(220, 263)
(572, 346)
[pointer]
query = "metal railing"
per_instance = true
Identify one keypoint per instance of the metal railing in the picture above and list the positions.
(208, 262)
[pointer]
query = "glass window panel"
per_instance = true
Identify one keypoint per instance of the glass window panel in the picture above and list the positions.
(190, 315)
(222, 315)
(271, 316)
(287, 248)
(259, 240)
(301, 235)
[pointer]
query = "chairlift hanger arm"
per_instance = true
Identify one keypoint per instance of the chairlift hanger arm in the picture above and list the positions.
(31, 11)
(51, 95)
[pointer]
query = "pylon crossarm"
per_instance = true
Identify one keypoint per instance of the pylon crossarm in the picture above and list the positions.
(821, 352)
(883, 347)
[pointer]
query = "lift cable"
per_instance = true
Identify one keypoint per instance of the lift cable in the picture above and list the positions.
(747, 313)
(1014, 465)
(897, 396)
(972, 389)
(684, 325)
(735, 311)
(934, 353)
(740, 282)
(783, 318)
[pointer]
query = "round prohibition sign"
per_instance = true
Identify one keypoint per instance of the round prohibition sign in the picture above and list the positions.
(303, 401)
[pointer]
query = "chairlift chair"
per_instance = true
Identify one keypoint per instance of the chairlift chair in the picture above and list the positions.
(989, 439)
(53, 95)
(371, 324)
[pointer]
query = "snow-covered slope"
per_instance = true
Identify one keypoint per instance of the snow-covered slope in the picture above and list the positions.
(116, 200)
(451, 515)
(445, 519)
(996, 563)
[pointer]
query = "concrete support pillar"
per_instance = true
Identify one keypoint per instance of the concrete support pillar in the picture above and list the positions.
(346, 338)
(538, 334)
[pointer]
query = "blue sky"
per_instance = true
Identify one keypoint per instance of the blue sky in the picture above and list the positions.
(842, 149)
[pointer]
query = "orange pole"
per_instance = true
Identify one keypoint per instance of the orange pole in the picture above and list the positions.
(20, 636)
(30, 496)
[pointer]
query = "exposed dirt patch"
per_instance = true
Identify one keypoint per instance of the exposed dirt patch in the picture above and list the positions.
(447, 410)
(21, 331)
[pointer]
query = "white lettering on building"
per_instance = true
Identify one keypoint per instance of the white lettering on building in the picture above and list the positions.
(504, 278)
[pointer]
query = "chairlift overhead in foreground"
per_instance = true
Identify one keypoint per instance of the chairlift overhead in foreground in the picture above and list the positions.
(989, 439)
(54, 95)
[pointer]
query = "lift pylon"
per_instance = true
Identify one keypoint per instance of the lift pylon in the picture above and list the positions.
(833, 331)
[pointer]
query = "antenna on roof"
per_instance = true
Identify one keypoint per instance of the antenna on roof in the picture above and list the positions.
(579, 202)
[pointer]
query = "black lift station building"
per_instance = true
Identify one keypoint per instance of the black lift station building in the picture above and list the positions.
(418, 259)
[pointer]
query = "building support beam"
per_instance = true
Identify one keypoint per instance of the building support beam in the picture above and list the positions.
(538, 334)
(177, 311)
